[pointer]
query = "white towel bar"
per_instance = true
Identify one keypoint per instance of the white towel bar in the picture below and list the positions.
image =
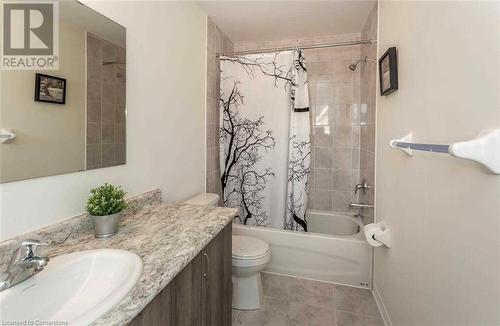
(484, 149)
(6, 136)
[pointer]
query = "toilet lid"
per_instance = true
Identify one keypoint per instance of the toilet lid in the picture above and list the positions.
(248, 248)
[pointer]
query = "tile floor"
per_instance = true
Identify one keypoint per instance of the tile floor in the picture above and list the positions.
(293, 301)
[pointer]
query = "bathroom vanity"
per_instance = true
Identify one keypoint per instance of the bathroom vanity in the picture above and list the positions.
(200, 294)
(186, 267)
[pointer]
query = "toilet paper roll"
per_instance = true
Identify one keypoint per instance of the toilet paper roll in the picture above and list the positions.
(371, 230)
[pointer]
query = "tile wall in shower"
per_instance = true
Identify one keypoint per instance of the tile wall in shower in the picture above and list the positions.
(217, 42)
(105, 103)
(368, 113)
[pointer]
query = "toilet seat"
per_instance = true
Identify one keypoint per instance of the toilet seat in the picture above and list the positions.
(245, 247)
(251, 262)
(248, 251)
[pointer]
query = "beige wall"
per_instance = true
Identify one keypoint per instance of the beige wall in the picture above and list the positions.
(50, 137)
(444, 213)
(166, 73)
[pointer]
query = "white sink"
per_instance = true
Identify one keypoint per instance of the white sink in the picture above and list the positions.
(76, 288)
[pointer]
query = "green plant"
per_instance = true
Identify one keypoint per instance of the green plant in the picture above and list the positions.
(106, 200)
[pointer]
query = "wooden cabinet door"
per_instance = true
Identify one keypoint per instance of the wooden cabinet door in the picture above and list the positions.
(187, 296)
(158, 312)
(227, 272)
(200, 295)
(178, 304)
(216, 282)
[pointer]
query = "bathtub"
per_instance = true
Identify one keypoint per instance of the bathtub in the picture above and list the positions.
(334, 250)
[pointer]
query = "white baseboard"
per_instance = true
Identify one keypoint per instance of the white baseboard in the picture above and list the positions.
(381, 306)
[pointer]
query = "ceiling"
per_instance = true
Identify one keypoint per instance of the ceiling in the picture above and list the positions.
(75, 13)
(254, 21)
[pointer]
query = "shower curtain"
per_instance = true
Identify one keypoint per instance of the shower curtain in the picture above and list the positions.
(265, 138)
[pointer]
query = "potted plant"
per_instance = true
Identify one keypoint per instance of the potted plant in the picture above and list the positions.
(104, 206)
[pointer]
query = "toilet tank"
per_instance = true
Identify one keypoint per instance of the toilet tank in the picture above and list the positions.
(205, 199)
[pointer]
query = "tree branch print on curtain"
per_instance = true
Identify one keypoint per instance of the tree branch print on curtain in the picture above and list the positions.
(246, 139)
(279, 72)
(251, 165)
(298, 172)
(299, 155)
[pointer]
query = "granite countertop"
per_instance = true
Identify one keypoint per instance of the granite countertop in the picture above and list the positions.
(166, 236)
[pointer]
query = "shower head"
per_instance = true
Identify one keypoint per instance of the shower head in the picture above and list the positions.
(354, 65)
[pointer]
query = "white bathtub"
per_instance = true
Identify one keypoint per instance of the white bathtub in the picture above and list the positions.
(342, 256)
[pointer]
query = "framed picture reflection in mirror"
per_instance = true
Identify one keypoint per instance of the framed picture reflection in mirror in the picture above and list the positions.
(50, 89)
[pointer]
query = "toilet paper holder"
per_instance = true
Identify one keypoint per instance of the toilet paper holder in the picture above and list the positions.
(384, 237)
(378, 232)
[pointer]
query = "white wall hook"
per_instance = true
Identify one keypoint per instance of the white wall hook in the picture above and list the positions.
(406, 139)
(484, 149)
(6, 136)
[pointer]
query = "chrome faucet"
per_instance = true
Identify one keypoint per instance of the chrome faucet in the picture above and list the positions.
(23, 264)
(363, 185)
(360, 206)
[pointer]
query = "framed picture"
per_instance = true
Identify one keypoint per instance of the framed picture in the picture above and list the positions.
(388, 72)
(50, 89)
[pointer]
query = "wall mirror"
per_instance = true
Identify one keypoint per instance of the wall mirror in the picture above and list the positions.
(71, 119)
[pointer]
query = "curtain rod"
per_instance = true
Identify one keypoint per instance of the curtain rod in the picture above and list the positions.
(314, 46)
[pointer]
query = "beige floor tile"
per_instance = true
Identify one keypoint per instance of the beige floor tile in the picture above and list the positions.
(312, 293)
(272, 313)
(276, 286)
(298, 302)
(234, 315)
(307, 315)
(358, 301)
(348, 319)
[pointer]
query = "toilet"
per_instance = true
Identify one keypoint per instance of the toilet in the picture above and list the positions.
(249, 257)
